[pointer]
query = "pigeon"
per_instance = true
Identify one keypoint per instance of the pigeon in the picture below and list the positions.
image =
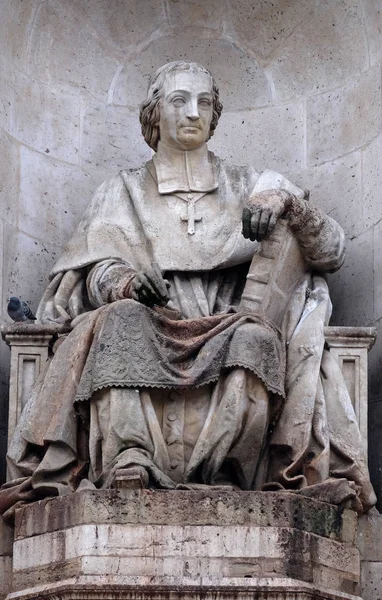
(19, 310)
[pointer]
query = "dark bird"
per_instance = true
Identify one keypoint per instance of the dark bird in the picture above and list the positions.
(19, 310)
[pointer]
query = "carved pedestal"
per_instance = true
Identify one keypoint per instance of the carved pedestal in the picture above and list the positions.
(185, 544)
(350, 347)
(30, 345)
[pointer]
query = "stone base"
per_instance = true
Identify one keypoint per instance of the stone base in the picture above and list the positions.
(6, 541)
(154, 544)
(369, 543)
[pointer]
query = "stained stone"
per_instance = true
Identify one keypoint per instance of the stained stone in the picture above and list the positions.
(40, 117)
(196, 13)
(372, 580)
(68, 55)
(371, 182)
(158, 539)
(122, 24)
(337, 122)
(273, 137)
(373, 24)
(14, 30)
(263, 26)
(9, 177)
(326, 51)
(350, 304)
(120, 146)
(64, 193)
(26, 278)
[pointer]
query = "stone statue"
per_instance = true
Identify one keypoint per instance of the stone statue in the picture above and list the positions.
(175, 372)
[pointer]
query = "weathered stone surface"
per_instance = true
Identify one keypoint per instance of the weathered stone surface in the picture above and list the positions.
(39, 116)
(377, 269)
(5, 576)
(335, 187)
(369, 537)
(326, 50)
(14, 29)
(2, 280)
(4, 386)
(68, 53)
(373, 23)
(196, 13)
(9, 178)
(371, 577)
(351, 306)
(122, 24)
(6, 539)
(119, 146)
(375, 419)
(371, 182)
(242, 82)
(6, 549)
(223, 551)
(164, 553)
(272, 137)
(262, 26)
(26, 277)
(337, 122)
(63, 193)
(212, 508)
(259, 588)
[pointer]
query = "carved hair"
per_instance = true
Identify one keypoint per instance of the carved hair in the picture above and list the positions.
(150, 110)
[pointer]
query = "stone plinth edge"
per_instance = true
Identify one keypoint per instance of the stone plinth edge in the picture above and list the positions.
(19, 331)
(363, 337)
(180, 507)
(154, 544)
(255, 589)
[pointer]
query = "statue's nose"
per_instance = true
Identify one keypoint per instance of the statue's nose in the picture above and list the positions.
(192, 109)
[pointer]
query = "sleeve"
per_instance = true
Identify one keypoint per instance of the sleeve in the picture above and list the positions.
(108, 281)
(321, 238)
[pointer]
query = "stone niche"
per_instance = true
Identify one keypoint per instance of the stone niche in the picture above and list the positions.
(295, 77)
(185, 544)
(301, 84)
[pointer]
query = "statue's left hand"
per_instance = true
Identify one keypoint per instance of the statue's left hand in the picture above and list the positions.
(262, 212)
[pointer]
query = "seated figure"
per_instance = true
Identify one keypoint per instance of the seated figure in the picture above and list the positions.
(166, 373)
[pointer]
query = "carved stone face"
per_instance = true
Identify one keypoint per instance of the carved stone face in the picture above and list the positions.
(186, 109)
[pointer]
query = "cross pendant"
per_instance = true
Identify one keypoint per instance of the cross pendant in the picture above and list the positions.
(191, 218)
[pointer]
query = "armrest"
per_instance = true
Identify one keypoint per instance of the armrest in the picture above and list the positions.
(31, 351)
(350, 346)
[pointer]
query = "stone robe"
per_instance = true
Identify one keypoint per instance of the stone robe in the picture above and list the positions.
(209, 411)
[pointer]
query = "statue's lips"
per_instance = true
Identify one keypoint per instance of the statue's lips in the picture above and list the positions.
(190, 128)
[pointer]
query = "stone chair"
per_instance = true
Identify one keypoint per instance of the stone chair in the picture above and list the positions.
(32, 347)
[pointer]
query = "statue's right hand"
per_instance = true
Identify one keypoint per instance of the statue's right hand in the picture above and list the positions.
(149, 287)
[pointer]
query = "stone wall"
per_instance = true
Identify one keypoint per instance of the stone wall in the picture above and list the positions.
(301, 84)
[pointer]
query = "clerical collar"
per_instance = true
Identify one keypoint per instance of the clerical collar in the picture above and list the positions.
(185, 170)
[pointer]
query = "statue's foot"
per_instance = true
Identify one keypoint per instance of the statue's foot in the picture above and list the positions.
(131, 478)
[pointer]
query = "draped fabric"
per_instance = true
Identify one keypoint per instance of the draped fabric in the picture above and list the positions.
(225, 399)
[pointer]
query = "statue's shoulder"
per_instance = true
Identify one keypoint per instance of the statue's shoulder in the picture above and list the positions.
(245, 175)
(119, 185)
(134, 175)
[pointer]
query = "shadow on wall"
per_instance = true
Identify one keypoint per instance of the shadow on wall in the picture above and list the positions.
(295, 77)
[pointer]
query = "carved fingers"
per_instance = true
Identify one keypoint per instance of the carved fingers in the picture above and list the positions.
(149, 287)
(262, 212)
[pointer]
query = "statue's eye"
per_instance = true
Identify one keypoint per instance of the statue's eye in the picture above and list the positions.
(178, 101)
(205, 102)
